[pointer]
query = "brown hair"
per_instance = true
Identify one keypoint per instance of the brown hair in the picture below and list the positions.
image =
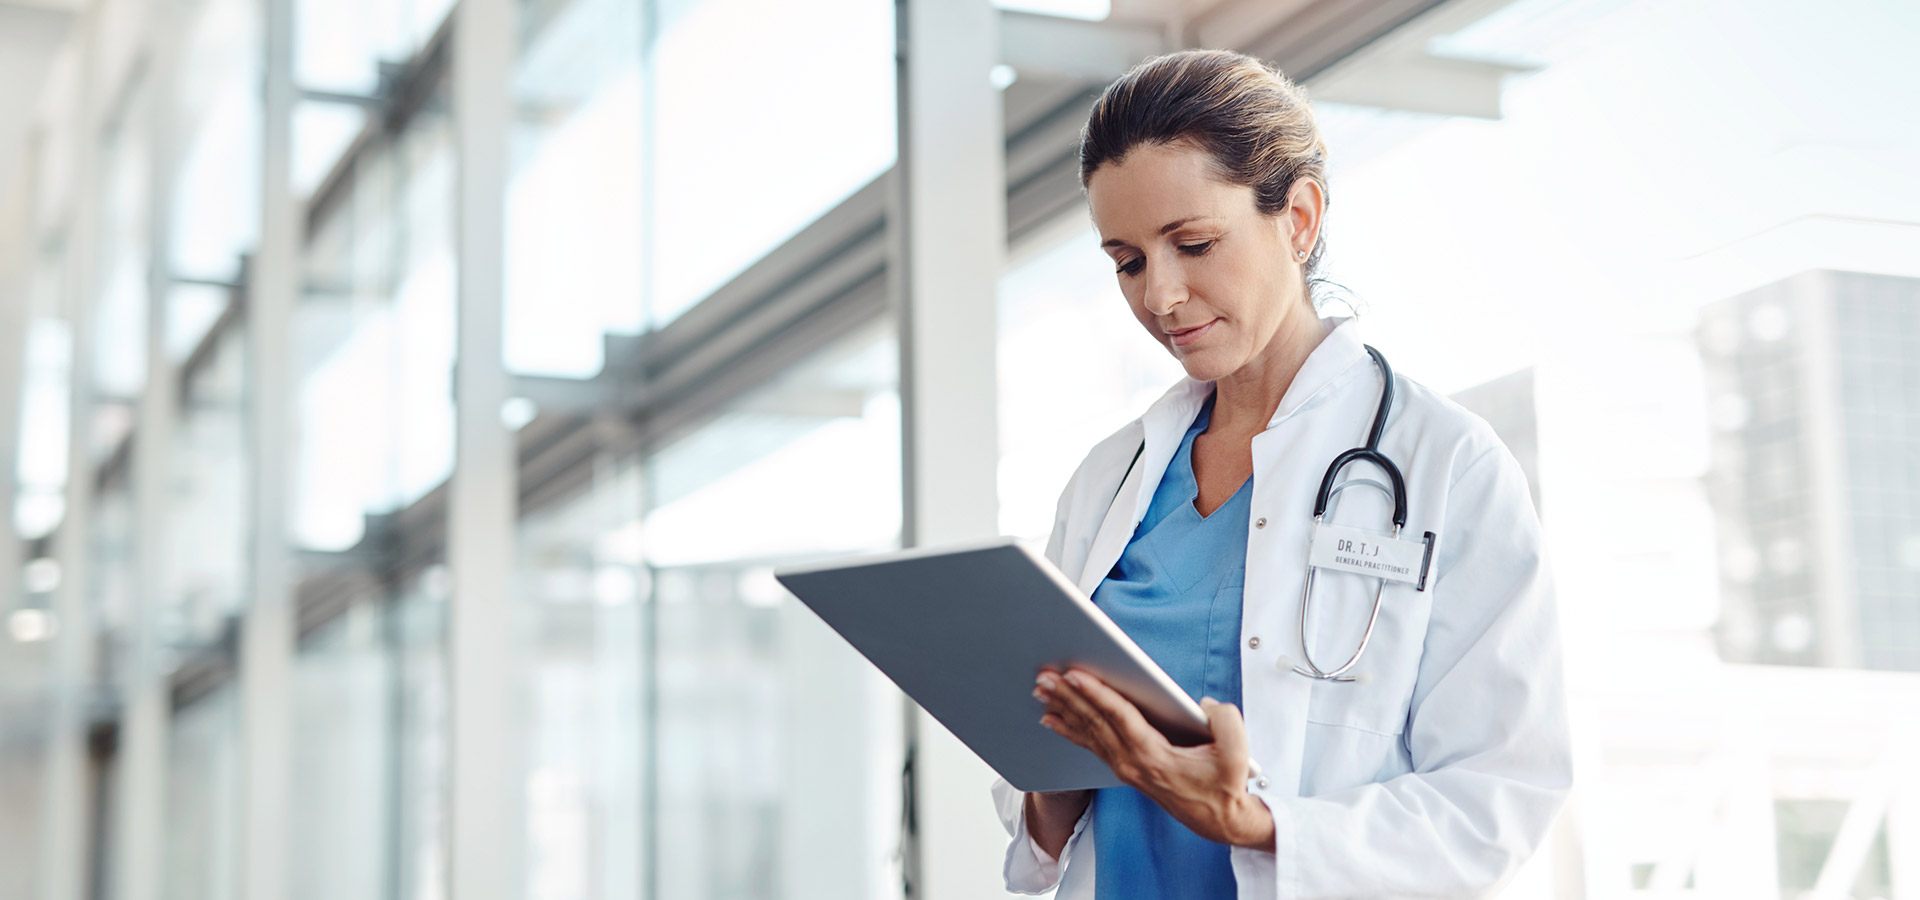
(1253, 122)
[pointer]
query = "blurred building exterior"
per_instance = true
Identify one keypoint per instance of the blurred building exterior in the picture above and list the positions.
(404, 403)
(1816, 474)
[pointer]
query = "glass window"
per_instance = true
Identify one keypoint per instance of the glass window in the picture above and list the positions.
(573, 201)
(209, 520)
(757, 132)
(418, 623)
(111, 580)
(216, 110)
(579, 578)
(370, 727)
(761, 792)
(345, 748)
(46, 406)
(203, 798)
(373, 341)
(119, 307)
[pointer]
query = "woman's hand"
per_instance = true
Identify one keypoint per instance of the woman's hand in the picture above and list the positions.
(1204, 787)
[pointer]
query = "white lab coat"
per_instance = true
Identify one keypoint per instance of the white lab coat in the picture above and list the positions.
(1438, 773)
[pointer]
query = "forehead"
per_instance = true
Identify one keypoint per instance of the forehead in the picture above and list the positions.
(1159, 183)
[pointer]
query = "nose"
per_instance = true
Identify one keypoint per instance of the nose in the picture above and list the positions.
(1166, 286)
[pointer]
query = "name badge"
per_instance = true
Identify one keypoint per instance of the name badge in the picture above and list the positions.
(1361, 552)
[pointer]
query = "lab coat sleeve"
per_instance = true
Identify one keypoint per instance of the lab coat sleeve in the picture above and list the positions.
(1028, 869)
(1486, 728)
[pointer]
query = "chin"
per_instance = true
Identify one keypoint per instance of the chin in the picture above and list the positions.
(1204, 366)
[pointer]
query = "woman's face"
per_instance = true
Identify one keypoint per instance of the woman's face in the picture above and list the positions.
(1191, 252)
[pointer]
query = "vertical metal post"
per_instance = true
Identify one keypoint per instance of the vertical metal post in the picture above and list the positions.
(485, 671)
(647, 860)
(64, 865)
(1812, 300)
(139, 821)
(267, 626)
(18, 266)
(948, 223)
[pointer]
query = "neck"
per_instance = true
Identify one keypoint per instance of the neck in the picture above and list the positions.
(1245, 401)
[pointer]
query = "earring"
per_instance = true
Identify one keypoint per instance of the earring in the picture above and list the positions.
(1300, 254)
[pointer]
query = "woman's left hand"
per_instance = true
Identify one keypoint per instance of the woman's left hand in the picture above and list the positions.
(1204, 787)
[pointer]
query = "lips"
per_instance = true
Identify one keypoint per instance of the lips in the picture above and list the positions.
(1188, 336)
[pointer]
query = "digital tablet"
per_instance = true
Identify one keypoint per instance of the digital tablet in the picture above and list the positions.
(964, 630)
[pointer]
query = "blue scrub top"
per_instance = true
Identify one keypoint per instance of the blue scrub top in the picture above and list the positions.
(1176, 591)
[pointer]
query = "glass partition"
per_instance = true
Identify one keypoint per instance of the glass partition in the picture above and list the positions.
(574, 243)
(345, 751)
(373, 341)
(208, 534)
(203, 799)
(580, 588)
(776, 745)
(756, 132)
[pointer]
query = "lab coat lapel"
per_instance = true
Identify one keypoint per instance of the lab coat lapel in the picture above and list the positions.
(1164, 425)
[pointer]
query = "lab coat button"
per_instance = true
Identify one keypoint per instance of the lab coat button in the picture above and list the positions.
(1253, 643)
(1260, 522)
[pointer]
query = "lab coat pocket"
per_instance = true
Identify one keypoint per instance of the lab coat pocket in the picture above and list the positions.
(1377, 701)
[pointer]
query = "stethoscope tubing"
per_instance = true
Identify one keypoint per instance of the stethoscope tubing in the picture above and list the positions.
(1369, 453)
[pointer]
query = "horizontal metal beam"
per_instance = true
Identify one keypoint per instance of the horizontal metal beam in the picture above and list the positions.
(1422, 84)
(1058, 47)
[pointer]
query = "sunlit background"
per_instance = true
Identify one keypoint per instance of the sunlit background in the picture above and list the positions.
(1670, 249)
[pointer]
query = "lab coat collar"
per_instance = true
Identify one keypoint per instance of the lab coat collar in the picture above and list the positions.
(1165, 423)
(1336, 354)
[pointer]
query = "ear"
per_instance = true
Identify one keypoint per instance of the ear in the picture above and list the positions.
(1306, 205)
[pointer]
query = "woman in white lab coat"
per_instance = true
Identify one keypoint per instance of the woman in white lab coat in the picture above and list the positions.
(1439, 769)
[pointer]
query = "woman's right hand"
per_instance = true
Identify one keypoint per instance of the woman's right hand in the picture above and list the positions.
(1050, 817)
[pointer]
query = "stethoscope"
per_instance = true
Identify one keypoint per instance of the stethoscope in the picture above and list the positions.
(1324, 500)
(1322, 504)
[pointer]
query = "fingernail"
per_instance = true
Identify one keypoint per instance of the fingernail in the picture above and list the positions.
(1077, 679)
(1207, 701)
(1047, 681)
(1038, 695)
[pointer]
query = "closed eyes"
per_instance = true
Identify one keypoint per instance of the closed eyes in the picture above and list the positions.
(1132, 266)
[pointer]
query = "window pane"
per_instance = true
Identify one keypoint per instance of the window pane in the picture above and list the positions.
(373, 341)
(762, 791)
(757, 132)
(216, 192)
(580, 577)
(203, 799)
(209, 522)
(345, 749)
(573, 201)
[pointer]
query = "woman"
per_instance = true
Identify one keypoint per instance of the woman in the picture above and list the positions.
(1438, 769)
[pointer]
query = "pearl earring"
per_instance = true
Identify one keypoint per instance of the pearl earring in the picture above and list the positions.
(1300, 254)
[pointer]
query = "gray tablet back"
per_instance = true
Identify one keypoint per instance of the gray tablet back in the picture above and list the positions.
(964, 631)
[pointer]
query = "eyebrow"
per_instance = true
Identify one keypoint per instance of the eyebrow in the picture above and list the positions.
(1116, 242)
